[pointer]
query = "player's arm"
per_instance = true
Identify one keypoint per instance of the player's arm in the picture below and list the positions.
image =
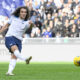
(7, 25)
(31, 24)
(4, 28)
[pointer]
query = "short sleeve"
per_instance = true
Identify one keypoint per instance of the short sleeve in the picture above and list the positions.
(10, 20)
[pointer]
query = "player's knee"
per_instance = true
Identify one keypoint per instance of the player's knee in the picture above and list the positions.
(13, 48)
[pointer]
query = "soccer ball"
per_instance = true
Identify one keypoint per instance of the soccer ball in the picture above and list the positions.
(77, 61)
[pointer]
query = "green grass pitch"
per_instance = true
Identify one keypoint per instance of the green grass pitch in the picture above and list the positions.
(41, 71)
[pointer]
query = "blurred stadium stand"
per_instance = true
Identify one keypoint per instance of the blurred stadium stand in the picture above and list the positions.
(52, 18)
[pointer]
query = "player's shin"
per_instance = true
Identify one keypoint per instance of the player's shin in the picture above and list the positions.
(18, 55)
(12, 65)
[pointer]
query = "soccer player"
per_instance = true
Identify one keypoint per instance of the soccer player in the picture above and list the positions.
(17, 25)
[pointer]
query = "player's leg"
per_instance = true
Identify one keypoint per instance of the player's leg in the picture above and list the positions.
(12, 65)
(14, 45)
(17, 53)
(10, 43)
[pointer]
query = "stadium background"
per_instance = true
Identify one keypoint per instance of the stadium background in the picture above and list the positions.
(53, 42)
(52, 18)
(45, 51)
(57, 19)
(57, 23)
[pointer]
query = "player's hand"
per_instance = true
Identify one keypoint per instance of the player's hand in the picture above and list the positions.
(30, 22)
(0, 28)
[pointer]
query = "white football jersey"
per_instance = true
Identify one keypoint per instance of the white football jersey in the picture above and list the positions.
(17, 27)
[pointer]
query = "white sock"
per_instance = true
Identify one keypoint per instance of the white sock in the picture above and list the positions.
(18, 55)
(12, 65)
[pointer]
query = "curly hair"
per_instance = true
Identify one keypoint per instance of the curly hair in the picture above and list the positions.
(17, 12)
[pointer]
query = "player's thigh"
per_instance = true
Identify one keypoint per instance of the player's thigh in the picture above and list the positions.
(13, 48)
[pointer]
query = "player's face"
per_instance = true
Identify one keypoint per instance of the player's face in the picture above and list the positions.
(23, 13)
